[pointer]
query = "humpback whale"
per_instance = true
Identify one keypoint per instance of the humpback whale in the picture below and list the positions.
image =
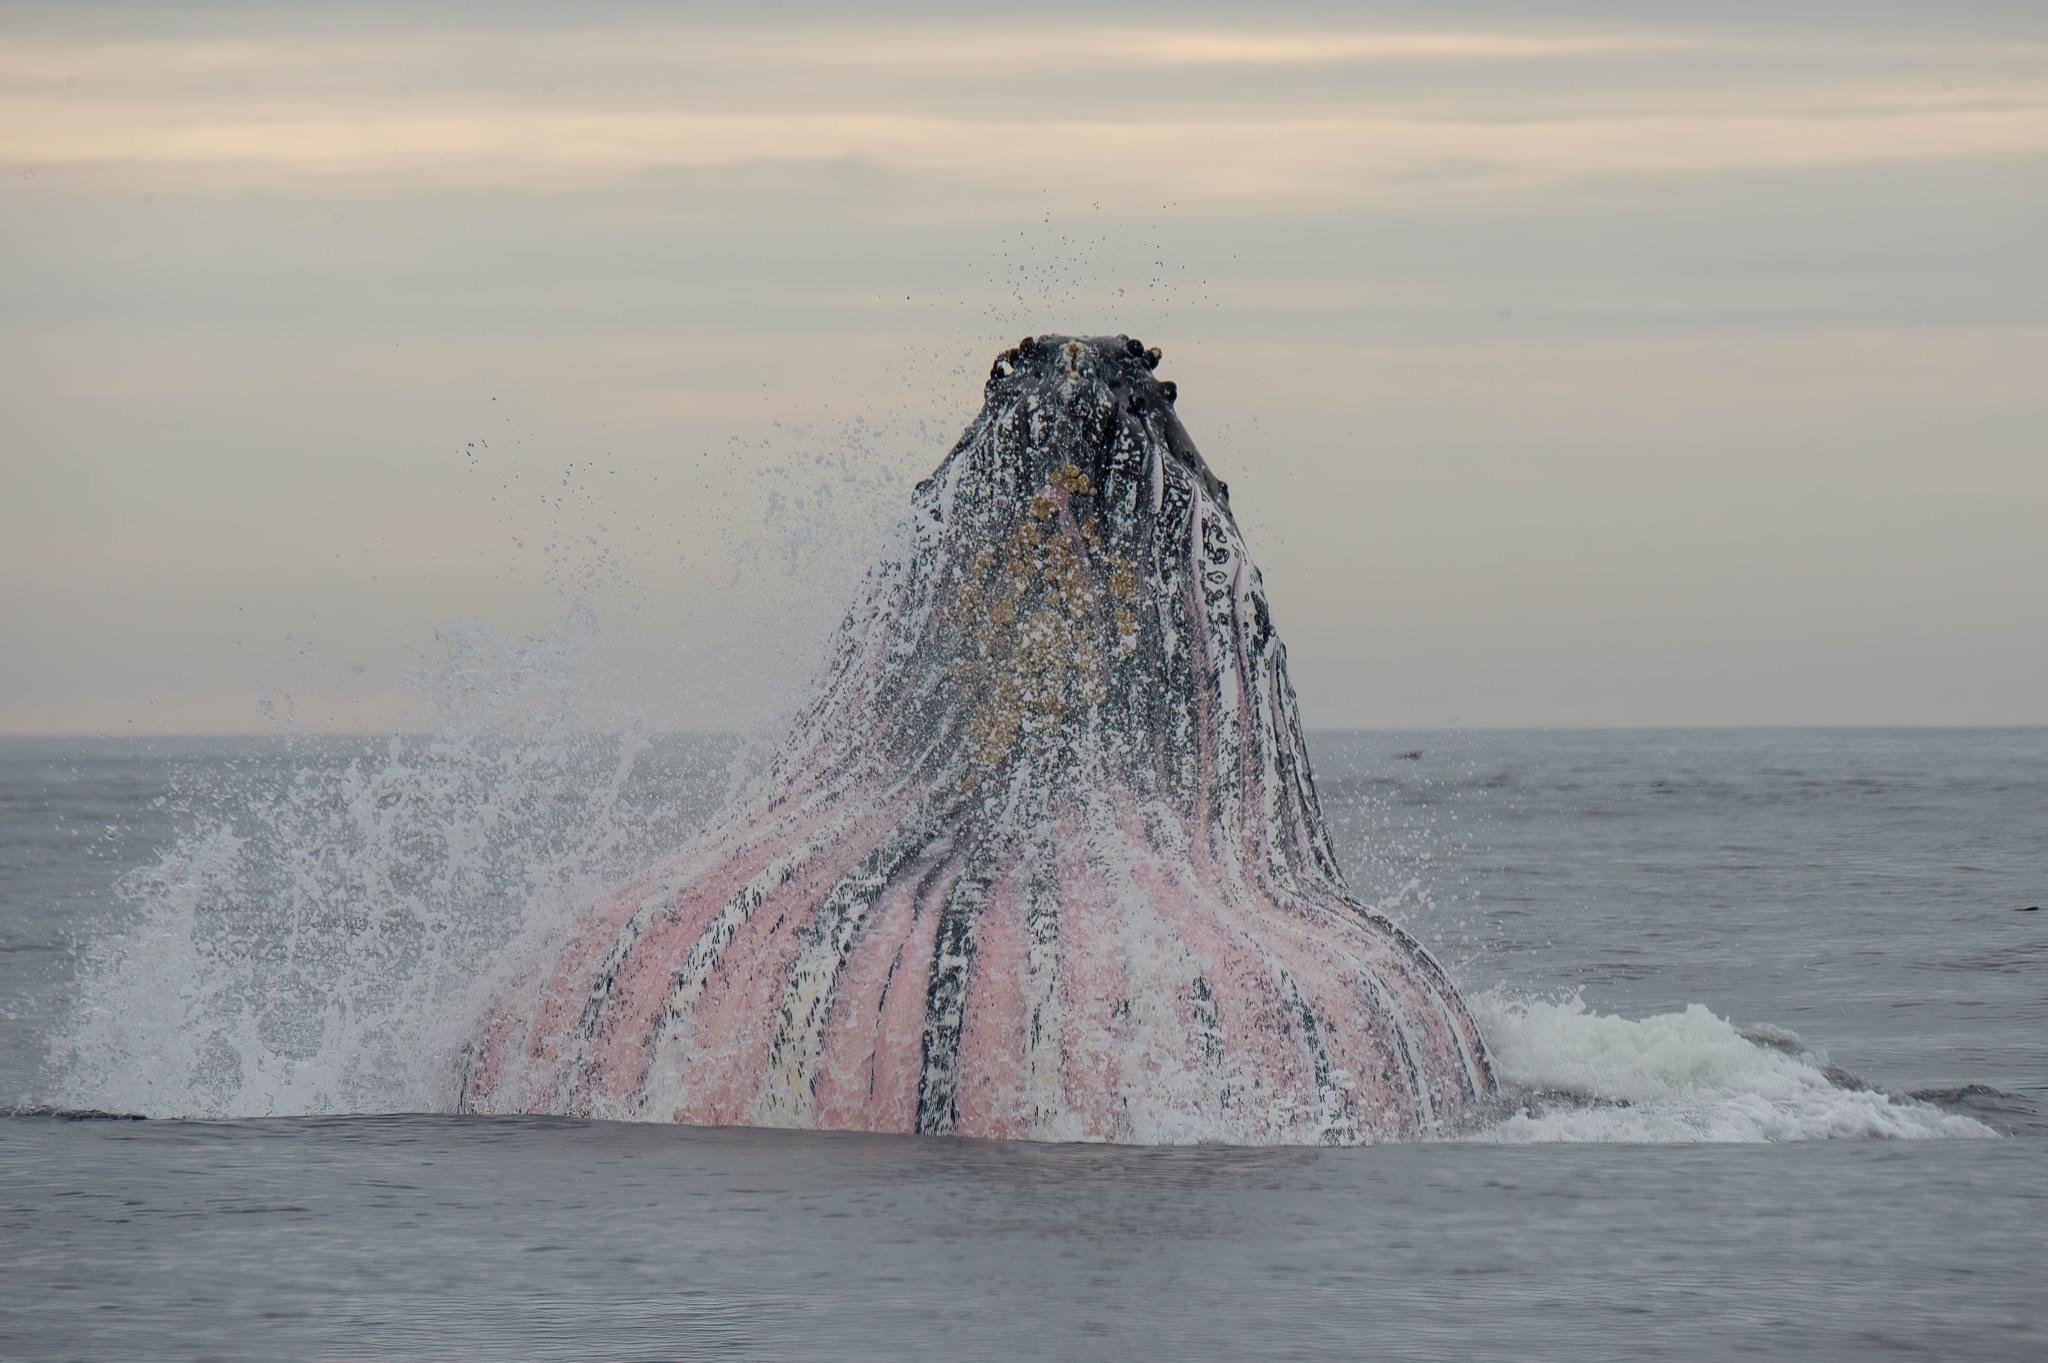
(1042, 856)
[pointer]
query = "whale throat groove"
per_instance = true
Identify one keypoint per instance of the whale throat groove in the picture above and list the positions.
(1042, 857)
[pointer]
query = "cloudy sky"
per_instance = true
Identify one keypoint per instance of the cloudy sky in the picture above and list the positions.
(1583, 363)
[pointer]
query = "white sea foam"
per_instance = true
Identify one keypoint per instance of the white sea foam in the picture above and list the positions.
(1678, 1077)
(323, 935)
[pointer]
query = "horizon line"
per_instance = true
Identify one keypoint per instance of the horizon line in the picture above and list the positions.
(7, 736)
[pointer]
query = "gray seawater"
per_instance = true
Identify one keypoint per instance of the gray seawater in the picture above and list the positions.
(1625, 905)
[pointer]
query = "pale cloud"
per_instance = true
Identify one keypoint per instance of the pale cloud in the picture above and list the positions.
(1362, 160)
(1064, 44)
(584, 106)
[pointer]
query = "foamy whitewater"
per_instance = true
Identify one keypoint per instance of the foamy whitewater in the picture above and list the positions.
(333, 931)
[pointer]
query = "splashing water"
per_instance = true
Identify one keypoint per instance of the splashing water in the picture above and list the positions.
(305, 1008)
(1577, 1075)
(314, 942)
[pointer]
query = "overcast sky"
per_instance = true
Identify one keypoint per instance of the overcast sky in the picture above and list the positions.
(1621, 366)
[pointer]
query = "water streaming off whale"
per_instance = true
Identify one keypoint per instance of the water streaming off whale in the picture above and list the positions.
(1042, 858)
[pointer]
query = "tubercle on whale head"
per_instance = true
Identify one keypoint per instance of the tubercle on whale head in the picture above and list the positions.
(1115, 364)
(1108, 378)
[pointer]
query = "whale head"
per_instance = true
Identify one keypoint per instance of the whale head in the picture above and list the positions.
(1075, 399)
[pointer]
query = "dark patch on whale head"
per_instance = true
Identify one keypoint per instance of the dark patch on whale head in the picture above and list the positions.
(1084, 396)
(1070, 373)
(1054, 363)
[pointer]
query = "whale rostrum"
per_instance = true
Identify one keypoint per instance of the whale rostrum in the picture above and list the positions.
(1041, 858)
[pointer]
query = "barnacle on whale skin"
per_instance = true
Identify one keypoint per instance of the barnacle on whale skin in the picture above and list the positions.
(1042, 858)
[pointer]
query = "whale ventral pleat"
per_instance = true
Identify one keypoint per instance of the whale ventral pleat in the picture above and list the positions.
(1042, 857)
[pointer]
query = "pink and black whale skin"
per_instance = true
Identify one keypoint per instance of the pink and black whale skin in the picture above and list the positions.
(1043, 858)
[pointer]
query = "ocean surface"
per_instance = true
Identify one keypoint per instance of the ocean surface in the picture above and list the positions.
(1771, 1004)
